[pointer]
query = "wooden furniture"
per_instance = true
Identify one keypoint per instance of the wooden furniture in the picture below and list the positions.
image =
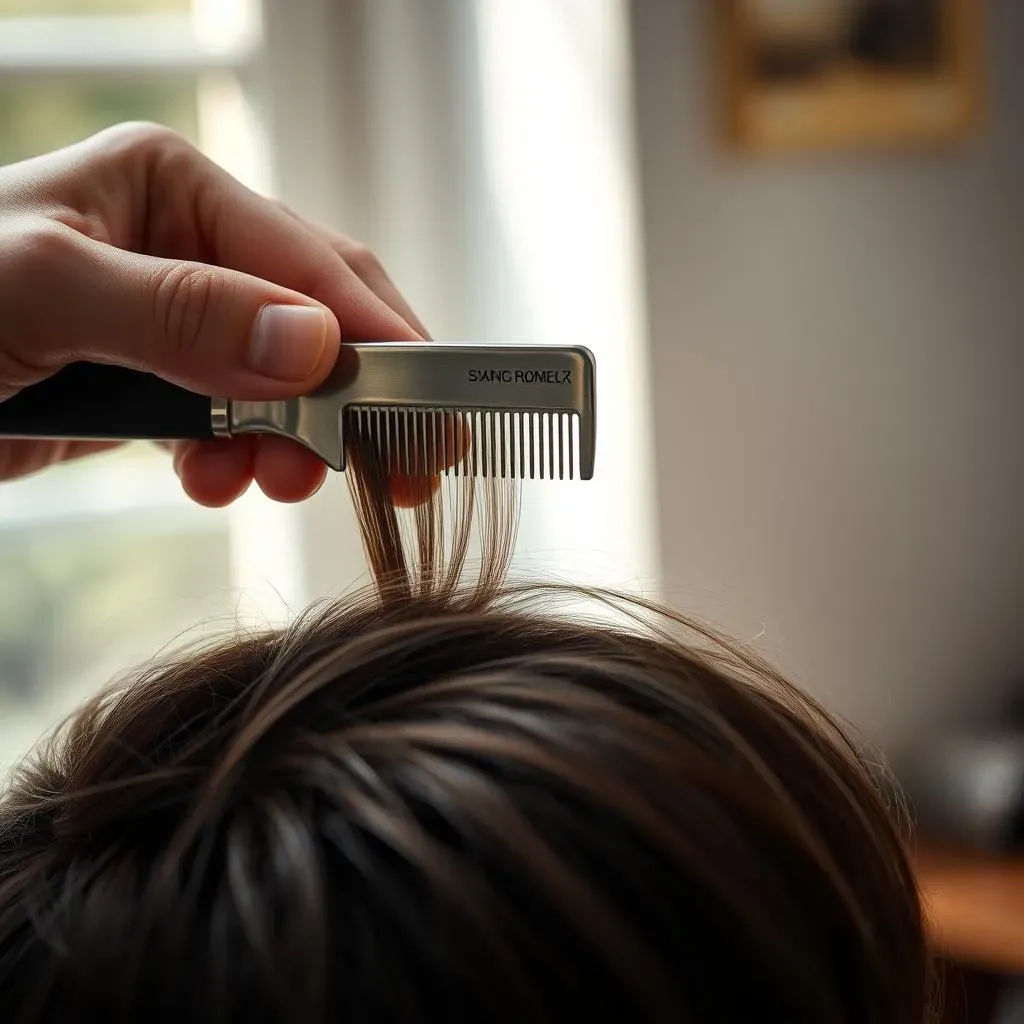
(975, 908)
(975, 911)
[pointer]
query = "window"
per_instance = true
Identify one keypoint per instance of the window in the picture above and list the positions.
(104, 561)
(481, 147)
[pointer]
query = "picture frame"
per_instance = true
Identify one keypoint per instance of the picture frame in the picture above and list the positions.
(803, 75)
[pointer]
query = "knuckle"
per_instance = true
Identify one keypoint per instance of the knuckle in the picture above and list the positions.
(283, 207)
(361, 260)
(18, 371)
(37, 261)
(182, 299)
(34, 249)
(138, 145)
(145, 137)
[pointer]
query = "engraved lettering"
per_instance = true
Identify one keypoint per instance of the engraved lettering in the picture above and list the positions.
(492, 375)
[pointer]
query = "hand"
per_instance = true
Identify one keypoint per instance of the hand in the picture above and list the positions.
(133, 248)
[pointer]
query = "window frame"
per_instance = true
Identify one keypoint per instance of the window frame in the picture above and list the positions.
(137, 44)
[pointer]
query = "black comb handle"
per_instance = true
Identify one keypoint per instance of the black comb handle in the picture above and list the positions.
(99, 402)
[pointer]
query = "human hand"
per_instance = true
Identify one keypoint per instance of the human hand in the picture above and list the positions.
(133, 248)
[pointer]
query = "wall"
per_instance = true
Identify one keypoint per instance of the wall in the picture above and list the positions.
(838, 366)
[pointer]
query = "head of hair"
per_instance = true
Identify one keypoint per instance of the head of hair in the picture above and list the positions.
(459, 802)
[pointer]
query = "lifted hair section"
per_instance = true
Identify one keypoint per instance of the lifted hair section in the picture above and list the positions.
(423, 551)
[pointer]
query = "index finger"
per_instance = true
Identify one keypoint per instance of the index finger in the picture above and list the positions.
(188, 208)
(250, 234)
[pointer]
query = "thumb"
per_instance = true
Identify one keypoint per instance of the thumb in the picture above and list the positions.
(216, 331)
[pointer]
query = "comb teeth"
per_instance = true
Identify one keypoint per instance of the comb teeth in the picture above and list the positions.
(470, 442)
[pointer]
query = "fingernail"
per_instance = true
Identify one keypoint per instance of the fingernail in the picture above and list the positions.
(288, 341)
(180, 456)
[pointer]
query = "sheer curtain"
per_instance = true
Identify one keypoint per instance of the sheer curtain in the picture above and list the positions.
(483, 148)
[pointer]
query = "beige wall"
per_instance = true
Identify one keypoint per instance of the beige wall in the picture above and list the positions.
(838, 367)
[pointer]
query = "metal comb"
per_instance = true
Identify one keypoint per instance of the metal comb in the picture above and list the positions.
(528, 409)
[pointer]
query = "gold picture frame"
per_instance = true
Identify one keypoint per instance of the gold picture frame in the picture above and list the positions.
(799, 75)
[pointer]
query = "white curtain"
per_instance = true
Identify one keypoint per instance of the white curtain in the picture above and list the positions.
(483, 149)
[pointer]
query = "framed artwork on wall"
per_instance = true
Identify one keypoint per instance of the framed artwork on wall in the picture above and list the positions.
(833, 74)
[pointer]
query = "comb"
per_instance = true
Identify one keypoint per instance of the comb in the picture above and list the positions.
(529, 409)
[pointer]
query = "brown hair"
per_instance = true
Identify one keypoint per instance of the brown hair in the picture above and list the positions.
(455, 802)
